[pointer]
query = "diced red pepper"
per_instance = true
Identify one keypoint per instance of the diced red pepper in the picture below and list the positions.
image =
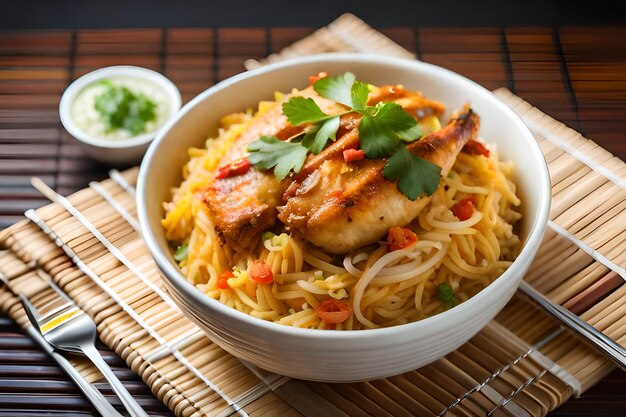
(222, 281)
(222, 172)
(314, 78)
(333, 311)
(400, 238)
(464, 209)
(351, 155)
(260, 272)
(238, 167)
(474, 147)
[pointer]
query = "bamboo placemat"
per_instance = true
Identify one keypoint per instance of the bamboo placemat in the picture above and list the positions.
(521, 364)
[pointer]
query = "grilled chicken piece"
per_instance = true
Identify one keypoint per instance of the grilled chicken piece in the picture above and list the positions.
(340, 206)
(242, 207)
(412, 102)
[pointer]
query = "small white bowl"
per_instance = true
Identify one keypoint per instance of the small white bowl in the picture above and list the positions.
(123, 151)
(327, 355)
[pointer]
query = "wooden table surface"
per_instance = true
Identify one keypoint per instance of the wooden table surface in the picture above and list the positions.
(575, 74)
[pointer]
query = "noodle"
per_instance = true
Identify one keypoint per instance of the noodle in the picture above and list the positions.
(383, 287)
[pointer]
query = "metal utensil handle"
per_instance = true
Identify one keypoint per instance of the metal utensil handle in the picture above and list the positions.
(133, 408)
(93, 395)
(599, 340)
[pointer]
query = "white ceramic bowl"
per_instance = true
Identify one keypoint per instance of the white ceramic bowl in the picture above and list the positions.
(114, 152)
(328, 355)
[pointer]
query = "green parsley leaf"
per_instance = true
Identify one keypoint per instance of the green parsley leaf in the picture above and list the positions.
(120, 108)
(445, 293)
(181, 252)
(415, 175)
(376, 139)
(315, 140)
(309, 136)
(411, 134)
(382, 126)
(337, 88)
(382, 130)
(303, 110)
(393, 117)
(359, 94)
(271, 152)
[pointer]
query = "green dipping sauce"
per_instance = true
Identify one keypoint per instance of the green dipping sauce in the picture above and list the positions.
(120, 107)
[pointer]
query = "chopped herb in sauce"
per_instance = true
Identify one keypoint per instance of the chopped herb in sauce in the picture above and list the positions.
(445, 293)
(120, 108)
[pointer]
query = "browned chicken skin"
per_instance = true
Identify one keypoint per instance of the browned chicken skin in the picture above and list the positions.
(348, 135)
(340, 206)
(242, 207)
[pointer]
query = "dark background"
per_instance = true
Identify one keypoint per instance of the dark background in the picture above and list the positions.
(77, 14)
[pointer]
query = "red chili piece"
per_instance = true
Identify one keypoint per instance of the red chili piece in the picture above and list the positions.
(314, 78)
(222, 281)
(238, 167)
(464, 209)
(260, 272)
(400, 238)
(351, 155)
(474, 147)
(333, 311)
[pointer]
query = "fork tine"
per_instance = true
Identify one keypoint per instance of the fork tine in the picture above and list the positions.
(49, 315)
(69, 303)
(48, 302)
(35, 316)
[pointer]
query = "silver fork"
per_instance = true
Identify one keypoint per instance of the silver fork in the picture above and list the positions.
(69, 328)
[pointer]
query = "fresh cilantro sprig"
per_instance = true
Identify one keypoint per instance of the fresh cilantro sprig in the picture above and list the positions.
(423, 176)
(270, 152)
(300, 110)
(338, 88)
(315, 139)
(384, 130)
